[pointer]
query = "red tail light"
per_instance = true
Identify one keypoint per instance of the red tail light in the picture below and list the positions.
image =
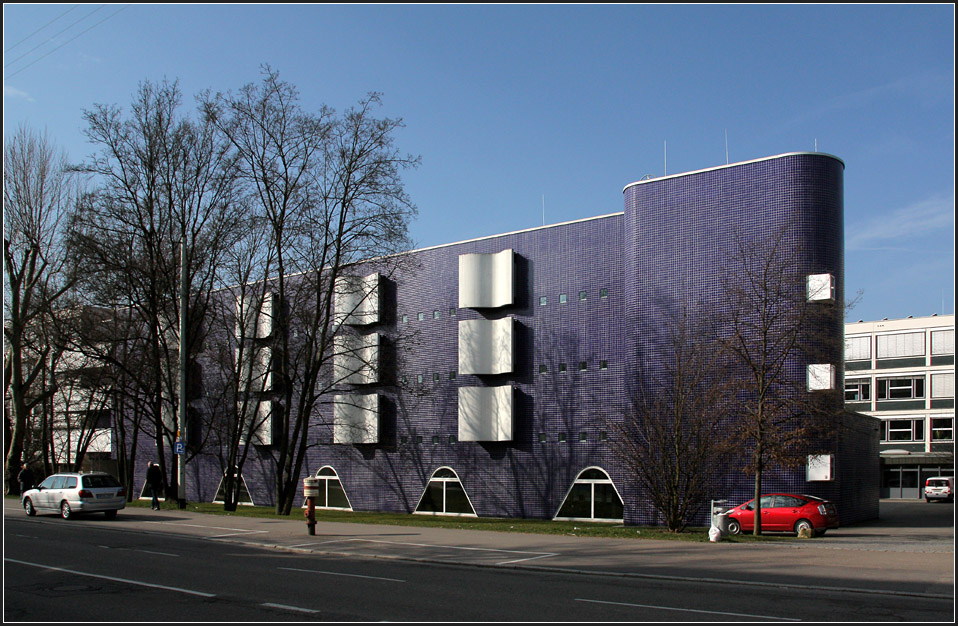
(121, 492)
(86, 494)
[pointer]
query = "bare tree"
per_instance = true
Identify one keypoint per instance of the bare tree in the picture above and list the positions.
(165, 198)
(38, 193)
(774, 330)
(674, 435)
(329, 189)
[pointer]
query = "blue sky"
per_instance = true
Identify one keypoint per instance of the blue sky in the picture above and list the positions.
(516, 107)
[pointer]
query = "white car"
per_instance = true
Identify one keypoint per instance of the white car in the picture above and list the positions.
(70, 493)
(940, 488)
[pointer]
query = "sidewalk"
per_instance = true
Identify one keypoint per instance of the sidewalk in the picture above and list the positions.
(887, 555)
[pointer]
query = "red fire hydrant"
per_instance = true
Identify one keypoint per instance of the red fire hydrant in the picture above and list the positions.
(311, 491)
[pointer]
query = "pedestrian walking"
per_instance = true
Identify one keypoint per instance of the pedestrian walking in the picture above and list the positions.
(26, 479)
(154, 480)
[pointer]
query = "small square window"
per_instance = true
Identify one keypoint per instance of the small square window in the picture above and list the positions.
(452, 375)
(603, 365)
(405, 318)
(452, 312)
(418, 378)
(404, 439)
(435, 315)
(603, 293)
(542, 369)
(418, 438)
(603, 436)
(583, 437)
(435, 439)
(542, 437)
(562, 298)
(582, 295)
(583, 366)
(421, 316)
(405, 380)
(561, 437)
(435, 377)
(452, 439)
(562, 368)
(543, 300)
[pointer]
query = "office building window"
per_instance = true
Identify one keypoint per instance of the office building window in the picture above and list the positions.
(943, 342)
(905, 429)
(445, 495)
(603, 293)
(943, 429)
(901, 345)
(858, 348)
(562, 298)
(583, 295)
(943, 385)
(905, 388)
(858, 390)
(543, 300)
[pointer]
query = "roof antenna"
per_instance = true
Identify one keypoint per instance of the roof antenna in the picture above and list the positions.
(726, 146)
(816, 144)
(665, 156)
(543, 209)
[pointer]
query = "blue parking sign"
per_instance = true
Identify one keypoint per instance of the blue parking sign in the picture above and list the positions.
(179, 447)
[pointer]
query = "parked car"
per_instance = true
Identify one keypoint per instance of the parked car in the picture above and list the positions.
(940, 488)
(70, 494)
(785, 512)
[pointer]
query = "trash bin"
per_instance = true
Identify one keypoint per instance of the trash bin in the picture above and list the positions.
(719, 516)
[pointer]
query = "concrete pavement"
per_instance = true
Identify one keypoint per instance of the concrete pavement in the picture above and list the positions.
(908, 551)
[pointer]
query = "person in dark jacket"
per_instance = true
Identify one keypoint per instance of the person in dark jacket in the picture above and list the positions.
(26, 479)
(154, 481)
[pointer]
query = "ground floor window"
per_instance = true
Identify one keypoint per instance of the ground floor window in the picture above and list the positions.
(593, 496)
(242, 495)
(445, 495)
(331, 492)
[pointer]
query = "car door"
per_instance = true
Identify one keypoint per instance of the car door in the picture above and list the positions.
(771, 516)
(45, 491)
(785, 512)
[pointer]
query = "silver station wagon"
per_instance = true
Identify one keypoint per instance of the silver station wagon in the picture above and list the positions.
(70, 494)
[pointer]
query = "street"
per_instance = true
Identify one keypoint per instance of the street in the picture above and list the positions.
(172, 569)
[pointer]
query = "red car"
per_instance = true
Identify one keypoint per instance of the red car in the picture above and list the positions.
(785, 512)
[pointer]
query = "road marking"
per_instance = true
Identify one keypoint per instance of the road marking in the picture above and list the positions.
(115, 579)
(140, 550)
(238, 531)
(536, 555)
(271, 605)
(672, 608)
(316, 571)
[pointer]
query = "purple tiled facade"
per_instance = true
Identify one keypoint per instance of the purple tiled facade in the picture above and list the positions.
(586, 294)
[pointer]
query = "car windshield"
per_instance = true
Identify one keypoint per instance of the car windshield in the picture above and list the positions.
(100, 481)
(937, 483)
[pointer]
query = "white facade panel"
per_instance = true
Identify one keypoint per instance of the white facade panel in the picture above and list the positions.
(486, 346)
(356, 419)
(486, 280)
(356, 359)
(485, 413)
(357, 300)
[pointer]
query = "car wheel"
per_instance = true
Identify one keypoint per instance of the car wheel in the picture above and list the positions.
(65, 511)
(28, 507)
(110, 514)
(804, 524)
(734, 527)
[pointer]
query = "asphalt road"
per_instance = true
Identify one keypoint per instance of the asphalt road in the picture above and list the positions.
(176, 566)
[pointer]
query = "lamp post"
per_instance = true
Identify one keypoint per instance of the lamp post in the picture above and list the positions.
(182, 431)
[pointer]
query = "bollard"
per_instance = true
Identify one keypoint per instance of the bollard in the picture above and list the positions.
(311, 491)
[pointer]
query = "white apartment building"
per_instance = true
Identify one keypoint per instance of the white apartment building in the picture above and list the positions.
(903, 372)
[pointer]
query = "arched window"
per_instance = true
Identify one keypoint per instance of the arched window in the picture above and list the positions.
(592, 497)
(331, 492)
(242, 495)
(444, 495)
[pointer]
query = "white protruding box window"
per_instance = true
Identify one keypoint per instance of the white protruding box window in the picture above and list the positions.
(820, 467)
(486, 346)
(255, 368)
(486, 280)
(821, 377)
(357, 300)
(261, 430)
(356, 359)
(252, 321)
(821, 288)
(485, 413)
(356, 418)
